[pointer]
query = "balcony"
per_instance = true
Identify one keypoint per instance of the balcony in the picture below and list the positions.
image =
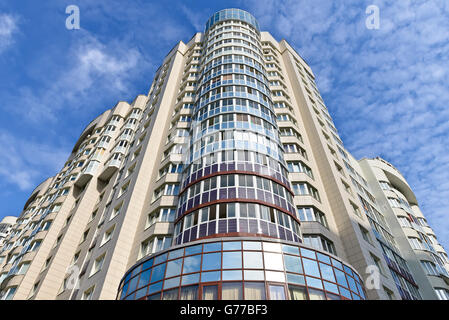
(87, 174)
(119, 149)
(109, 169)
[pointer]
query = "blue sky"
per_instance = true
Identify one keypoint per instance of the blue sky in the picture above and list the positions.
(386, 89)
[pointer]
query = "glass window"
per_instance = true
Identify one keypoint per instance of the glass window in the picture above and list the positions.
(232, 275)
(316, 294)
(330, 287)
(276, 292)
(192, 264)
(273, 261)
(144, 278)
(308, 253)
(158, 273)
(173, 268)
(297, 293)
(155, 287)
(189, 293)
(210, 276)
(231, 291)
(293, 264)
(215, 246)
(270, 246)
(254, 275)
(326, 272)
(290, 249)
(254, 291)
(311, 267)
(170, 294)
(252, 245)
(210, 292)
(341, 278)
(314, 282)
(275, 276)
(211, 261)
(193, 249)
(295, 278)
(170, 283)
(232, 245)
(252, 260)
(190, 279)
(232, 260)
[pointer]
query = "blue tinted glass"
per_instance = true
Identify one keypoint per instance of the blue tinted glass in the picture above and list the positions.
(125, 288)
(133, 284)
(330, 287)
(211, 261)
(293, 264)
(311, 267)
(341, 278)
(252, 260)
(147, 264)
(145, 278)
(215, 246)
(232, 260)
(155, 287)
(290, 249)
(158, 273)
(295, 278)
(232, 275)
(348, 270)
(173, 268)
(252, 245)
(193, 249)
(170, 283)
(234, 245)
(127, 277)
(136, 270)
(176, 254)
(192, 264)
(210, 276)
(308, 253)
(313, 282)
(360, 290)
(352, 285)
(323, 258)
(337, 264)
(160, 258)
(141, 293)
(345, 293)
(326, 272)
(254, 275)
(191, 278)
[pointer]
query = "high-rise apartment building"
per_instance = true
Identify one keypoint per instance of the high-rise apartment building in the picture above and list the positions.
(227, 181)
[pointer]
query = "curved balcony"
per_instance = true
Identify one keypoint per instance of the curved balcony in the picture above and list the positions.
(241, 269)
(87, 173)
(109, 169)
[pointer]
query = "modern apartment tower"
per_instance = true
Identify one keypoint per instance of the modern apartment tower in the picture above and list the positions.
(227, 181)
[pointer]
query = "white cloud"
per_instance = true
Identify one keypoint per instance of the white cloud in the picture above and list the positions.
(24, 163)
(386, 89)
(8, 26)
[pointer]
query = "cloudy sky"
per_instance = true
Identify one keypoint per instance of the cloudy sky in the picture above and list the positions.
(386, 89)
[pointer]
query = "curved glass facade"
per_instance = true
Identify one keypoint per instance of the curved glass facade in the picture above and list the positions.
(235, 14)
(235, 180)
(241, 268)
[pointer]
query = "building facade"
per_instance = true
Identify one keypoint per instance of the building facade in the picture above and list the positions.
(227, 181)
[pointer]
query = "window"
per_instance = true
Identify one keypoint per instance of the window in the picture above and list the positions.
(365, 234)
(87, 295)
(320, 243)
(98, 263)
(389, 294)
(23, 268)
(442, 294)
(116, 211)
(305, 189)
(9, 293)
(312, 214)
(430, 268)
(107, 235)
(376, 262)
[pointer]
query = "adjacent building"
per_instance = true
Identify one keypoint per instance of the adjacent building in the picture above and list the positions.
(228, 180)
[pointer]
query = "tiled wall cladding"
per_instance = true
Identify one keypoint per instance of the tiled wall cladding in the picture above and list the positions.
(241, 268)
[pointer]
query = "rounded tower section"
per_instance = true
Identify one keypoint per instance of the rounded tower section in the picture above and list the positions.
(235, 182)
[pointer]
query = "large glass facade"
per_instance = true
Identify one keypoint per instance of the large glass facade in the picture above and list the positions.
(241, 268)
(235, 180)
